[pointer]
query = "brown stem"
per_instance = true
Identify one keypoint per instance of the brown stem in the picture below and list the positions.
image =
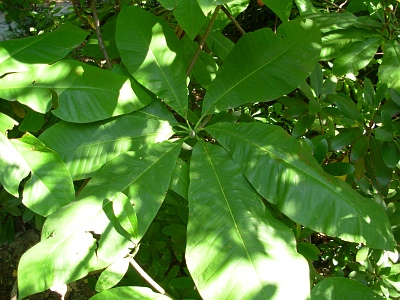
(203, 40)
(233, 20)
(98, 31)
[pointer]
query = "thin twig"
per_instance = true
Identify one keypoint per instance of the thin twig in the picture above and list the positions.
(203, 40)
(146, 277)
(98, 31)
(233, 20)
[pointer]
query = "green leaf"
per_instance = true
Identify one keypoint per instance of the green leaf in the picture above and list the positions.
(321, 149)
(381, 171)
(389, 70)
(180, 178)
(18, 55)
(337, 288)
(390, 153)
(277, 66)
(13, 167)
(112, 275)
(68, 250)
(50, 186)
(298, 185)
(129, 293)
(309, 251)
(135, 174)
(356, 56)
(125, 214)
(305, 7)
(157, 111)
(86, 147)
(362, 254)
(359, 148)
(6, 123)
(224, 211)
(150, 51)
(338, 168)
(345, 105)
(281, 8)
(219, 44)
(92, 47)
(85, 93)
(302, 125)
(382, 134)
(32, 122)
(395, 95)
(205, 67)
(345, 137)
(190, 16)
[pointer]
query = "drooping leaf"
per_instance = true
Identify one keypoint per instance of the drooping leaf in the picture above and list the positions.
(299, 187)
(125, 215)
(389, 70)
(337, 288)
(129, 293)
(50, 186)
(356, 56)
(381, 172)
(85, 93)
(305, 7)
(190, 16)
(150, 52)
(232, 239)
(18, 55)
(277, 66)
(281, 8)
(86, 147)
(112, 275)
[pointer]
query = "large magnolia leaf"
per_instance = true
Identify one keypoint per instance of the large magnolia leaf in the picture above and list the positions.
(389, 70)
(85, 93)
(6, 123)
(68, 250)
(338, 288)
(86, 147)
(235, 248)
(287, 175)
(356, 56)
(18, 55)
(50, 185)
(278, 65)
(150, 52)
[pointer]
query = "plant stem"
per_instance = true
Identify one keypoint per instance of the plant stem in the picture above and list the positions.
(203, 40)
(98, 31)
(146, 277)
(233, 20)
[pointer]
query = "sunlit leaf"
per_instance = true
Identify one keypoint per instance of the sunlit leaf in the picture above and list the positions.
(233, 238)
(296, 183)
(277, 66)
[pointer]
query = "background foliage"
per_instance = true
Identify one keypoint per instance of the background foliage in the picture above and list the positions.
(192, 149)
